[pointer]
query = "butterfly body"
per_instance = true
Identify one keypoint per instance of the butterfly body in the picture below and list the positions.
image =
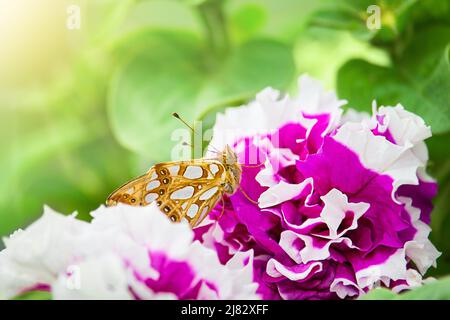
(183, 189)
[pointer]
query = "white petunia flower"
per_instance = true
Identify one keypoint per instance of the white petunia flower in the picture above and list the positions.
(124, 253)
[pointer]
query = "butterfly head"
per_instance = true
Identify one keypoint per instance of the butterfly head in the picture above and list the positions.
(233, 169)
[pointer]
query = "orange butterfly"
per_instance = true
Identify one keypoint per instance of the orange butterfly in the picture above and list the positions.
(184, 189)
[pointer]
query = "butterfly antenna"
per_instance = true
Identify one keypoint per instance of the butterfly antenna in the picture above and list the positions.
(176, 115)
(214, 148)
(213, 151)
(248, 198)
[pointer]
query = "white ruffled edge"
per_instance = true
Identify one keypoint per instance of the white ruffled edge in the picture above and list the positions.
(281, 192)
(335, 206)
(420, 250)
(405, 162)
(35, 255)
(100, 260)
(270, 110)
(380, 155)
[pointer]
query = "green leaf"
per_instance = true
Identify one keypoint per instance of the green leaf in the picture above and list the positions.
(439, 168)
(379, 294)
(161, 14)
(251, 67)
(440, 219)
(353, 15)
(162, 77)
(247, 21)
(35, 295)
(360, 82)
(425, 50)
(435, 290)
(172, 72)
(101, 18)
(343, 18)
(431, 11)
(439, 154)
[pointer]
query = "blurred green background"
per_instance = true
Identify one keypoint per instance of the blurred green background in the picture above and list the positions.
(83, 110)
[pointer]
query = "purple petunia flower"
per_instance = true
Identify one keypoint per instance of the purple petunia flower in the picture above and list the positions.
(344, 202)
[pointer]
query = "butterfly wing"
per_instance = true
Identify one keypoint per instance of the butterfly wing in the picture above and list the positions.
(183, 190)
(132, 192)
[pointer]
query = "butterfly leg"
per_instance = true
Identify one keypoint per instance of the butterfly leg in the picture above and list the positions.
(247, 197)
(223, 209)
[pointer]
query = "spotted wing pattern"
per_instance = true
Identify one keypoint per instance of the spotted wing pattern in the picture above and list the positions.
(182, 190)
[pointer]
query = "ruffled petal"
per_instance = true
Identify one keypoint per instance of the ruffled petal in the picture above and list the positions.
(344, 202)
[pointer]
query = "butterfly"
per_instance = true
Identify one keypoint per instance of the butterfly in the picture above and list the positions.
(183, 190)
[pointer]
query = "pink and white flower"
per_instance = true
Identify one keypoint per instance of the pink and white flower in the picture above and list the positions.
(124, 253)
(344, 205)
(344, 202)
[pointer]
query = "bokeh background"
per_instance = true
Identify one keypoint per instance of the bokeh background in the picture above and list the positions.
(83, 110)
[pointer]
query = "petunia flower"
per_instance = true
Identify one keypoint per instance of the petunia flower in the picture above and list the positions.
(343, 202)
(124, 253)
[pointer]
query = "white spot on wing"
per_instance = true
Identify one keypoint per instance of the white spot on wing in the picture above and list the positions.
(183, 193)
(151, 197)
(184, 205)
(214, 169)
(174, 170)
(184, 220)
(192, 211)
(208, 193)
(203, 214)
(193, 172)
(153, 184)
(154, 176)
